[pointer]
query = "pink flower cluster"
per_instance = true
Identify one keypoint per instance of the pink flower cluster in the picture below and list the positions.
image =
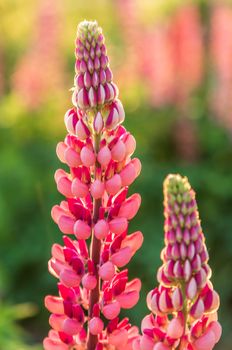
(31, 80)
(184, 305)
(95, 214)
(221, 51)
(171, 57)
(94, 217)
(173, 54)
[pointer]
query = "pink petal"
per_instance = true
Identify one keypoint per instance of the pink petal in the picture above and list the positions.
(114, 184)
(128, 300)
(66, 224)
(107, 271)
(60, 151)
(104, 156)
(118, 338)
(161, 346)
(130, 207)
(147, 322)
(71, 326)
(81, 129)
(110, 311)
(87, 156)
(175, 328)
(97, 189)
(50, 344)
(82, 230)
(205, 342)
(122, 257)
(57, 252)
(101, 229)
(216, 328)
(98, 123)
(92, 95)
(120, 109)
(197, 310)
(79, 189)
(146, 342)
(64, 186)
(191, 289)
(56, 321)
(118, 225)
(130, 144)
(89, 281)
(118, 151)
(96, 325)
(128, 174)
(56, 212)
(134, 241)
(54, 304)
(69, 278)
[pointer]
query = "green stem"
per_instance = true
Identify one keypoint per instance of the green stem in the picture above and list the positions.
(184, 309)
(94, 256)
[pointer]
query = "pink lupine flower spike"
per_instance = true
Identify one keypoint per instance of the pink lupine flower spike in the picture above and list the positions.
(184, 305)
(94, 216)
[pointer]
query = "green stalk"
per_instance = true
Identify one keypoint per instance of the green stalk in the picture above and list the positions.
(94, 255)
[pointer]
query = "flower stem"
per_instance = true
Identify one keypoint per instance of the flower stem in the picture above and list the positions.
(185, 312)
(95, 257)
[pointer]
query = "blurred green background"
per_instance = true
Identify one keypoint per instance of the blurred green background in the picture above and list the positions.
(172, 61)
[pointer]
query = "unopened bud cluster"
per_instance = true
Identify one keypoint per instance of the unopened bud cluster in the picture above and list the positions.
(94, 92)
(184, 305)
(94, 216)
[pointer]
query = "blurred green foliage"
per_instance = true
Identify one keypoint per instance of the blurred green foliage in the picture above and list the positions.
(11, 334)
(27, 191)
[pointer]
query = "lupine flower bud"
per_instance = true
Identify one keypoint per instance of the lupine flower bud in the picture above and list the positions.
(96, 325)
(92, 289)
(184, 304)
(107, 271)
(94, 84)
(111, 310)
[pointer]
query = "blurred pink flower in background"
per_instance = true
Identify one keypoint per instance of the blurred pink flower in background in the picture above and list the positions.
(40, 70)
(168, 56)
(221, 58)
(173, 57)
(157, 66)
(186, 43)
(127, 12)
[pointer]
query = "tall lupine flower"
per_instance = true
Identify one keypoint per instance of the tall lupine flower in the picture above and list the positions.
(184, 305)
(95, 213)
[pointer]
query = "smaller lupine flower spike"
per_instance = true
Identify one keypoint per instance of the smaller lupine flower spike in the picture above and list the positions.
(184, 305)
